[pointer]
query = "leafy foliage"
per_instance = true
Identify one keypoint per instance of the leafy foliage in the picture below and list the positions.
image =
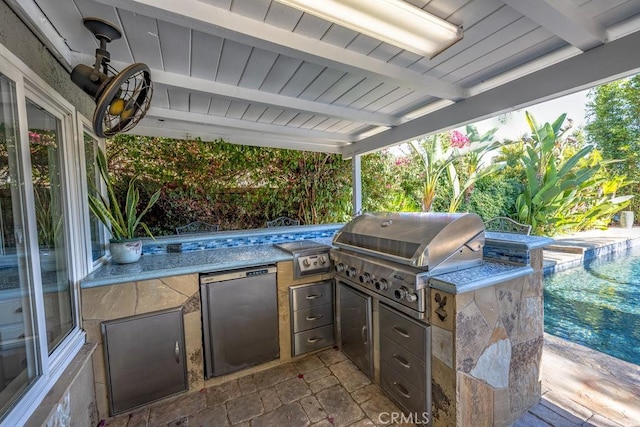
(122, 223)
(613, 114)
(563, 191)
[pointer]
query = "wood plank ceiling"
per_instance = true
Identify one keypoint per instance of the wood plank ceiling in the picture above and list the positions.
(260, 73)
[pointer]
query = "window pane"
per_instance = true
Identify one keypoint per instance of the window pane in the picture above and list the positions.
(44, 144)
(98, 239)
(18, 344)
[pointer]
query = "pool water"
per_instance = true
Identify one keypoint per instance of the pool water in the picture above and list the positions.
(598, 306)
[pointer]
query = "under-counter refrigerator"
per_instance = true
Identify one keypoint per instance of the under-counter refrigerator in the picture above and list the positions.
(240, 319)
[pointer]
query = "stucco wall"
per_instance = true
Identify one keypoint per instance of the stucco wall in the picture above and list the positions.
(17, 37)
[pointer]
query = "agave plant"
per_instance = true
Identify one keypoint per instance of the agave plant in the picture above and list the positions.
(122, 223)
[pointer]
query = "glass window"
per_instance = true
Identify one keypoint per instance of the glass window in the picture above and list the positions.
(98, 238)
(44, 146)
(18, 342)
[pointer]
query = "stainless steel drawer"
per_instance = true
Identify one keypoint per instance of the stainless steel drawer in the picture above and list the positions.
(402, 391)
(313, 317)
(403, 361)
(305, 296)
(404, 331)
(313, 339)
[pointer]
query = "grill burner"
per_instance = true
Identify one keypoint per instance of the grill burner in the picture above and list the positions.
(393, 255)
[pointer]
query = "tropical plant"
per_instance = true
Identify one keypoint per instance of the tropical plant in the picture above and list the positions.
(49, 223)
(563, 190)
(471, 150)
(434, 161)
(122, 223)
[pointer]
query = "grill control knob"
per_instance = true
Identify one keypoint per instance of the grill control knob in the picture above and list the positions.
(322, 259)
(340, 267)
(365, 278)
(411, 297)
(352, 272)
(382, 285)
(401, 293)
(305, 262)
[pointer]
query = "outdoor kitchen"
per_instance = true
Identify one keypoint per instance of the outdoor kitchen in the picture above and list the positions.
(445, 317)
(363, 314)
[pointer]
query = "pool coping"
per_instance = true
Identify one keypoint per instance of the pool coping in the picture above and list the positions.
(577, 249)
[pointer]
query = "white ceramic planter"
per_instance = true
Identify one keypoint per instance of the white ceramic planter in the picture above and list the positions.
(125, 251)
(48, 259)
(626, 219)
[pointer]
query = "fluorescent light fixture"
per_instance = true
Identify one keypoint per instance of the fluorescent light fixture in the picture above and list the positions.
(393, 21)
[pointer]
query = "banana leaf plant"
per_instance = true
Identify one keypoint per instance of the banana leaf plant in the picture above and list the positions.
(122, 223)
(560, 188)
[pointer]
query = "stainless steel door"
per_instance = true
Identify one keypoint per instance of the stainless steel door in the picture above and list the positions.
(354, 324)
(240, 319)
(145, 358)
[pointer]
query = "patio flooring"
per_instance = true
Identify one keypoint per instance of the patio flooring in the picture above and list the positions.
(580, 386)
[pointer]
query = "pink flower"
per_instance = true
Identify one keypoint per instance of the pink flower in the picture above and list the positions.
(34, 136)
(459, 140)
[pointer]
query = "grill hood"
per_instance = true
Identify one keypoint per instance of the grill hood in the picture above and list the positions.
(425, 240)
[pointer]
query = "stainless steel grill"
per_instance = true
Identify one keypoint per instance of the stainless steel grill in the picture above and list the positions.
(384, 262)
(395, 254)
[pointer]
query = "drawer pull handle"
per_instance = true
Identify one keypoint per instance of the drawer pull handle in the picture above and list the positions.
(319, 316)
(401, 331)
(365, 337)
(18, 310)
(401, 361)
(314, 339)
(21, 336)
(403, 391)
(177, 352)
(313, 296)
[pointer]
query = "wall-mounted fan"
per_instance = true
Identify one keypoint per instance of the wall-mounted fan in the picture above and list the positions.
(122, 99)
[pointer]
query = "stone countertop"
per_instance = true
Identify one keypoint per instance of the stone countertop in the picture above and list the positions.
(522, 241)
(175, 264)
(471, 279)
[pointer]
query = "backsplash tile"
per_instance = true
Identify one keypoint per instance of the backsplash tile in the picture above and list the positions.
(230, 242)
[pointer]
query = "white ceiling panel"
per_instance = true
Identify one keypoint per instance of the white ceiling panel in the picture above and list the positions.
(142, 36)
(205, 55)
(232, 61)
(259, 72)
(175, 45)
(281, 71)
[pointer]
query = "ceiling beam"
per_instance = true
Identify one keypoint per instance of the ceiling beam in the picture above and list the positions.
(209, 87)
(563, 19)
(241, 125)
(181, 130)
(209, 19)
(605, 63)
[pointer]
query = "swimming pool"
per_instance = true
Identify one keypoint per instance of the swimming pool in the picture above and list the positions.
(598, 306)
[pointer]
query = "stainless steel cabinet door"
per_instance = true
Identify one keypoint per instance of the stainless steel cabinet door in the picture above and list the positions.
(355, 327)
(145, 358)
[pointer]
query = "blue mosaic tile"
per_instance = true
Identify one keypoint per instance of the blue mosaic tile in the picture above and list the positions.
(514, 255)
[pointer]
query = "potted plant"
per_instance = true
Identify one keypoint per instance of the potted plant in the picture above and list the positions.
(49, 228)
(125, 247)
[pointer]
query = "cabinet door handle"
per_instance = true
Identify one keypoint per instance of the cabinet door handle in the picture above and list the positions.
(365, 339)
(177, 352)
(403, 391)
(313, 296)
(315, 339)
(319, 316)
(401, 361)
(401, 331)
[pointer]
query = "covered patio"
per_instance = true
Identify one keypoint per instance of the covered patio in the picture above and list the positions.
(261, 73)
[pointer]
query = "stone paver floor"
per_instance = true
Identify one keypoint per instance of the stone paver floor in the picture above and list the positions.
(324, 389)
(581, 387)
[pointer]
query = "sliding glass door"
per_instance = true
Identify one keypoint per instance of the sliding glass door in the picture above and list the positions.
(19, 363)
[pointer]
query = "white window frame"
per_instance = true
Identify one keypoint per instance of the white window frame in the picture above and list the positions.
(85, 126)
(28, 83)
